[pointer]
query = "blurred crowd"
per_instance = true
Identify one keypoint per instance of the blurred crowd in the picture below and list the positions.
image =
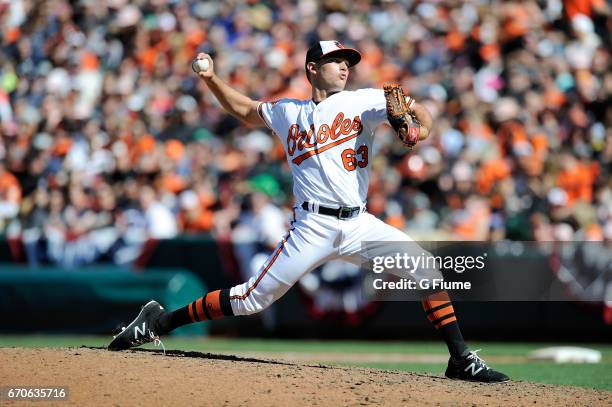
(108, 138)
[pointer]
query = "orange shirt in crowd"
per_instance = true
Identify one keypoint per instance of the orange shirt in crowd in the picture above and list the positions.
(175, 150)
(397, 221)
(516, 21)
(62, 146)
(489, 173)
(573, 7)
(474, 224)
(10, 190)
(578, 182)
(196, 222)
(172, 182)
(145, 145)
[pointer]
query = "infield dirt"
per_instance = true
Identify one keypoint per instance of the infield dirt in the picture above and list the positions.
(150, 378)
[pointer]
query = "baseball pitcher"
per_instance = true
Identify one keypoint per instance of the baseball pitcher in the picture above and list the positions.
(328, 144)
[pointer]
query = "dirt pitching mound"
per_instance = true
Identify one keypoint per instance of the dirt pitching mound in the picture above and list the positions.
(150, 378)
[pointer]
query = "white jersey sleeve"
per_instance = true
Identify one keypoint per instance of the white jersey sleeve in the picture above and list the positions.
(375, 110)
(273, 115)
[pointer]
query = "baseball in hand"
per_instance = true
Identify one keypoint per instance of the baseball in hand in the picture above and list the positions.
(200, 65)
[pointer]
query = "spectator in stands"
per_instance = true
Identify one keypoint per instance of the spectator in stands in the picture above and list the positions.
(160, 221)
(10, 196)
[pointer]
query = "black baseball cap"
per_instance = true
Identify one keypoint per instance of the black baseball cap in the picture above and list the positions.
(323, 49)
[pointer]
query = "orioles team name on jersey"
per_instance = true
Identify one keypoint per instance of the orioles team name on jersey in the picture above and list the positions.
(315, 142)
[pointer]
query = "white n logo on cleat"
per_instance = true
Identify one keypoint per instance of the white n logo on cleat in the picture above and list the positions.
(137, 330)
(472, 366)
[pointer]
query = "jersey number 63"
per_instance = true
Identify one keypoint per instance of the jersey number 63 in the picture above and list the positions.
(352, 159)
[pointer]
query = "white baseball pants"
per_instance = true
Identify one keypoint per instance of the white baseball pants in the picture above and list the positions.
(312, 240)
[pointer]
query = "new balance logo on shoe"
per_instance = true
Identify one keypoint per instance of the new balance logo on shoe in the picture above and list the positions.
(137, 330)
(475, 369)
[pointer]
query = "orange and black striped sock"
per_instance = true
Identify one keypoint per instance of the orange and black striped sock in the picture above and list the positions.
(441, 314)
(214, 305)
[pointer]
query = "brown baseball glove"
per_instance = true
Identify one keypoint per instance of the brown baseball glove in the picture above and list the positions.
(400, 114)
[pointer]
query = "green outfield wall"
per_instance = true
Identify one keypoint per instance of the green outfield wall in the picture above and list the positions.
(90, 300)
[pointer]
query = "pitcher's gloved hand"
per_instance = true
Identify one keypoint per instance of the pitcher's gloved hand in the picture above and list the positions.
(400, 114)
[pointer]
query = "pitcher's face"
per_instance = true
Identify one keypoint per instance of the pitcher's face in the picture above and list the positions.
(331, 74)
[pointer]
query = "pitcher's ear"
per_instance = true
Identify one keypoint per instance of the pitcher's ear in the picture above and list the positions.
(311, 67)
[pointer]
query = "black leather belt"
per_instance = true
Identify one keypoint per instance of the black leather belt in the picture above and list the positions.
(343, 212)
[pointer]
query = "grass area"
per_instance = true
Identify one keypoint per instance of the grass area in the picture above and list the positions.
(585, 375)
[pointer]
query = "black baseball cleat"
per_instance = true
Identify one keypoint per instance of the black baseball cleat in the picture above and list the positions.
(472, 368)
(142, 330)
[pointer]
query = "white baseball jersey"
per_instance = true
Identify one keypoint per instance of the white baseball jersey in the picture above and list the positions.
(328, 145)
